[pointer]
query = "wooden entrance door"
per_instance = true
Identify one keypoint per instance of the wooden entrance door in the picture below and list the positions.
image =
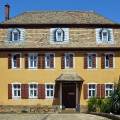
(69, 95)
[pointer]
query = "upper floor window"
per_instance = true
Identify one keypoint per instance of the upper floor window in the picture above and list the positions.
(108, 60)
(16, 34)
(16, 91)
(49, 60)
(91, 90)
(108, 89)
(104, 35)
(16, 60)
(33, 90)
(59, 35)
(68, 60)
(33, 60)
(91, 61)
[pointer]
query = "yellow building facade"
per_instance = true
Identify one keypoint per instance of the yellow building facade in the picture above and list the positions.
(72, 71)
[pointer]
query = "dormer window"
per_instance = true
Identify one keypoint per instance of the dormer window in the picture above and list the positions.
(59, 35)
(104, 35)
(15, 35)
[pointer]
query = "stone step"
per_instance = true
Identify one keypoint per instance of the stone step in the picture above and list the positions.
(68, 110)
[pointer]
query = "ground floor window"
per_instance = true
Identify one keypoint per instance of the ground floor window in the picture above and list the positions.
(49, 90)
(33, 90)
(91, 90)
(108, 89)
(16, 90)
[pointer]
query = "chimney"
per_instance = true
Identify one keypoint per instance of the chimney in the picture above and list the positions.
(7, 12)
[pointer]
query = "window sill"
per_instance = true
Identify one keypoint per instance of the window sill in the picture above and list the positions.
(16, 68)
(49, 97)
(16, 98)
(33, 98)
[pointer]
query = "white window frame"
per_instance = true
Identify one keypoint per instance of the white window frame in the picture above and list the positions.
(13, 96)
(65, 62)
(46, 55)
(91, 54)
(33, 83)
(98, 30)
(92, 90)
(108, 89)
(13, 37)
(13, 54)
(105, 31)
(29, 55)
(108, 67)
(53, 37)
(56, 35)
(46, 89)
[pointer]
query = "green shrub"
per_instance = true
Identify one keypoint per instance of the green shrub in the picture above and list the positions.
(105, 106)
(99, 105)
(92, 102)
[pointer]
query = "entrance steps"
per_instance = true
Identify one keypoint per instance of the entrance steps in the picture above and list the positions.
(69, 110)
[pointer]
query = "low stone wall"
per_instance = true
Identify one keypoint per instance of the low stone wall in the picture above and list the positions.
(110, 116)
(28, 109)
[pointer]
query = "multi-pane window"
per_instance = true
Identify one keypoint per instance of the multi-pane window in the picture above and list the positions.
(108, 89)
(33, 90)
(91, 61)
(59, 35)
(108, 60)
(104, 35)
(91, 90)
(16, 90)
(15, 35)
(15, 60)
(49, 60)
(68, 60)
(33, 60)
(49, 90)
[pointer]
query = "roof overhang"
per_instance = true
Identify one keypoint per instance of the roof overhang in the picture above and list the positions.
(60, 25)
(62, 49)
(69, 77)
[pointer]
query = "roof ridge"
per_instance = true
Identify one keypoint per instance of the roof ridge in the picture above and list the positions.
(81, 11)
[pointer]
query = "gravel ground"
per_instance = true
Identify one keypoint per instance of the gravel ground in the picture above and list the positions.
(50, 117)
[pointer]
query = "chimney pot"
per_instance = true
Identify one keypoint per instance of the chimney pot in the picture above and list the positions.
(7, 12)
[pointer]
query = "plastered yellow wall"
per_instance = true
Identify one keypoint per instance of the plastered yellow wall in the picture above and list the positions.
(23, 75)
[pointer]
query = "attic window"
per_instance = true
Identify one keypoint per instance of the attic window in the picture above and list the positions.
(59, 35)
(15, 35)
(104, 35)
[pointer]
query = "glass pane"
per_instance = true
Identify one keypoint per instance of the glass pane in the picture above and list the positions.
(89, 92)
(18, 92)
(48, 86)
(35, 93)
(51, 93)
(93, 93)
(15, 93)
(31, 92)
(16, 36)
(47, 93)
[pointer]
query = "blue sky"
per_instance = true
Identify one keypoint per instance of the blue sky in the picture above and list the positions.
(108, 8)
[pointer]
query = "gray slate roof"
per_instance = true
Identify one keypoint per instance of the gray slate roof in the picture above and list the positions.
(58, 17)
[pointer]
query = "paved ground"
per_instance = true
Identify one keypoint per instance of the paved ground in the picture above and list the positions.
(50, 117)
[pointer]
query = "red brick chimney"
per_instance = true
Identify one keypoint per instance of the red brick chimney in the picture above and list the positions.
(7, 12)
